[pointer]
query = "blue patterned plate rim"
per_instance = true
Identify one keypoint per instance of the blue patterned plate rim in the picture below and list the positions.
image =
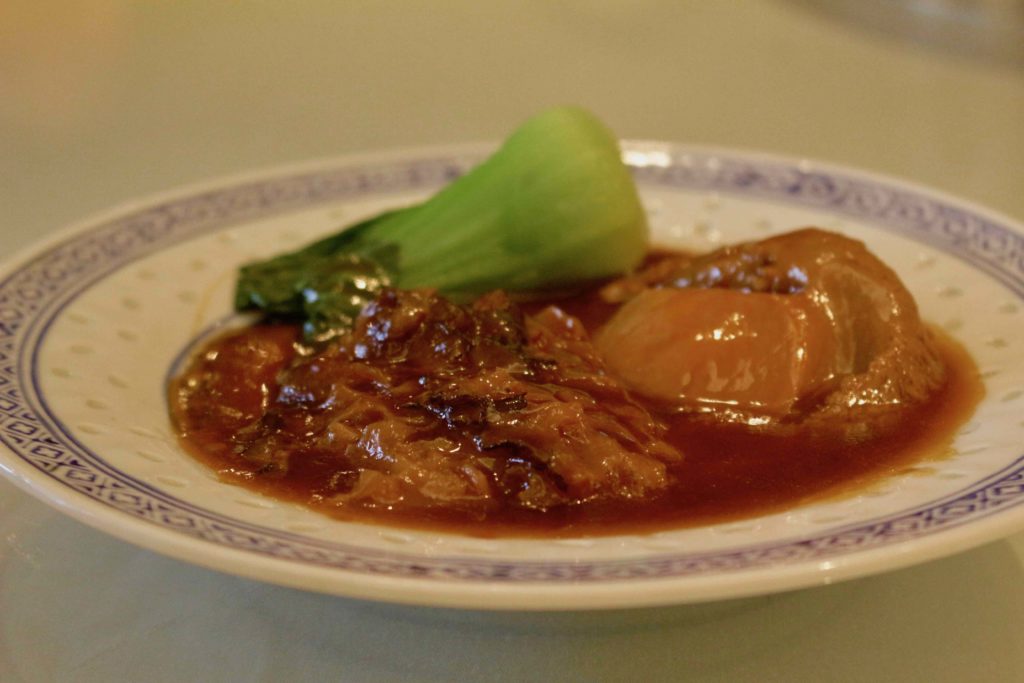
(45, 457)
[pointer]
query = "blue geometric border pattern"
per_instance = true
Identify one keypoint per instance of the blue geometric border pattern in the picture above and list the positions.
(33, 295)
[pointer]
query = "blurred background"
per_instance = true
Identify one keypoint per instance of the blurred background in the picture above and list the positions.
(105, 100)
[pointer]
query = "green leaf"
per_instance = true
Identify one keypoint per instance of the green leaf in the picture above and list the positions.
(553, 207)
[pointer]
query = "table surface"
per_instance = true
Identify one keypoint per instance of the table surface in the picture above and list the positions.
(101, 102)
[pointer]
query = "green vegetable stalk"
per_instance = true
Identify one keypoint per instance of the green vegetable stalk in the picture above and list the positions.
(553, 207)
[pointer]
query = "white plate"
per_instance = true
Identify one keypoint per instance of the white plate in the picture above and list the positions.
(92, 322)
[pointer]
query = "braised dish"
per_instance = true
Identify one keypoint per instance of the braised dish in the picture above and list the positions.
(680, 390)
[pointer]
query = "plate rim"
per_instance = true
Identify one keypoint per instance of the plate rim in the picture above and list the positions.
(516, 596)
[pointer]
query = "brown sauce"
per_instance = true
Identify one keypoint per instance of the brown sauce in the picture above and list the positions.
(728, 471)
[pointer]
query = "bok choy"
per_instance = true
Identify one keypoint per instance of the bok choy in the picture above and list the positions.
(553, 207)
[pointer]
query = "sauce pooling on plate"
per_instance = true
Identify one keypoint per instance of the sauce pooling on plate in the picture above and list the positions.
(697, 390)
